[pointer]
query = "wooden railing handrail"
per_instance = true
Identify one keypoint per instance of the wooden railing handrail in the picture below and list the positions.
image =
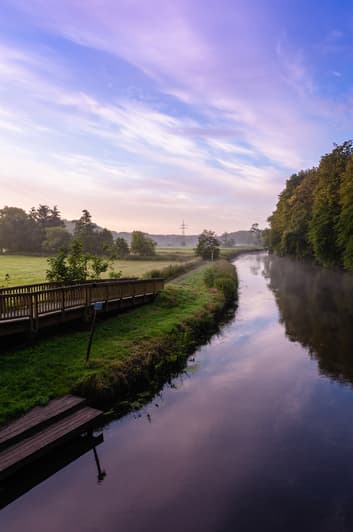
(57, 284)
(32, 304)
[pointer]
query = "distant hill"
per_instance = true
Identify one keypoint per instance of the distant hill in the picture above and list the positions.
(240, 238)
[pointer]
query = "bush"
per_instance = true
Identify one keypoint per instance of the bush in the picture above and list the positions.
(222, 275)
(71, 265)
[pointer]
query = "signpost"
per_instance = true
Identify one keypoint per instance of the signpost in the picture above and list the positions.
(96, 308)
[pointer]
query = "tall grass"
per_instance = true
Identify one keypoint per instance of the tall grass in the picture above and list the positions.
(172, 270)
(223, 276)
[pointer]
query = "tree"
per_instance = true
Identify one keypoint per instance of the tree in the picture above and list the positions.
(326, 206)
(94, 240)
(121, 248)
(208, 245)
(46, 217)
(314, 214)
(17, 231)
(69, 265)
(72, 264)
(256, 231)
(84, 231)
(345, 220)
(142, 245)
(55, 239)
(43, 217)
(103, 242)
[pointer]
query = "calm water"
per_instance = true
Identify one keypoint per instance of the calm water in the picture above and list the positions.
(257, 436)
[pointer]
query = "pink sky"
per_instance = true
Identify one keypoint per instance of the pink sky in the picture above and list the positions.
(148, 113)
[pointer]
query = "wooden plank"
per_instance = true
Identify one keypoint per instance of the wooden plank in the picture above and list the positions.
(39, 417)
(45, 440)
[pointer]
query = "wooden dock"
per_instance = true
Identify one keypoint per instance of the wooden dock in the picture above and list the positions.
(28, 308)
(41, 430)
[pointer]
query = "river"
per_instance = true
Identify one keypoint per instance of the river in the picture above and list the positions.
(257, 435)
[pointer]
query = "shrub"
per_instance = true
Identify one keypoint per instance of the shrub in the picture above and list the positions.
(222, 275)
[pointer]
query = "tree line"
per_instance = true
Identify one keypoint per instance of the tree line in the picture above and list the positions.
(42, 230)
(314, 214)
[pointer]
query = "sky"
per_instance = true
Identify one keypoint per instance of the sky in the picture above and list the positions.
(151, 112)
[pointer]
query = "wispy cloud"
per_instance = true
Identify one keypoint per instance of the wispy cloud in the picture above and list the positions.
(191, 111)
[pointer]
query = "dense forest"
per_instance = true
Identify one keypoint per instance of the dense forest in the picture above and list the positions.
(314, 215)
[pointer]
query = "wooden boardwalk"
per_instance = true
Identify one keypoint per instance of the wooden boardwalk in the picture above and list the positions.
(41, 430)
(30, 307)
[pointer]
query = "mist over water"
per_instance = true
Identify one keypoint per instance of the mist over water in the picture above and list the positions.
(256, 435)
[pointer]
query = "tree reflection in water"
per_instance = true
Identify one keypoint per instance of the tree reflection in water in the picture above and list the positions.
(316, 309)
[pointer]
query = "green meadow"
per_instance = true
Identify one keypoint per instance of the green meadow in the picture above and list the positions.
(27, 269)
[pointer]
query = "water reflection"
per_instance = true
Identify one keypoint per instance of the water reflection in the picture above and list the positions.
(43, 468)
(250, 438)
(316, 309)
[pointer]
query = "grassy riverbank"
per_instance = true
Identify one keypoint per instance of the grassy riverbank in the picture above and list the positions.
(131, 352)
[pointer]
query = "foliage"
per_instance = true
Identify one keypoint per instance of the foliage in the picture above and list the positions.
(94, 241)
(208, 245)
(314, 214)
(17, 230)
(257, 232)
(142, 245)
(25, 233)
(46, 217)
(70, 265)
(98, 265)
(121, 248)
(222, 275)
(227, 286)
(42, 229)
(55, 239)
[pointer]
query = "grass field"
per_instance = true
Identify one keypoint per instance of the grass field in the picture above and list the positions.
(144, 337)
(28, 270)
(177, 251)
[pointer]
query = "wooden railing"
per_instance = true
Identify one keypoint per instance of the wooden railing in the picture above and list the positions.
(17, 302)
(25, 288)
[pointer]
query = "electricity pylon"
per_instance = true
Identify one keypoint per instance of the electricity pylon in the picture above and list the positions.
(183, 227)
